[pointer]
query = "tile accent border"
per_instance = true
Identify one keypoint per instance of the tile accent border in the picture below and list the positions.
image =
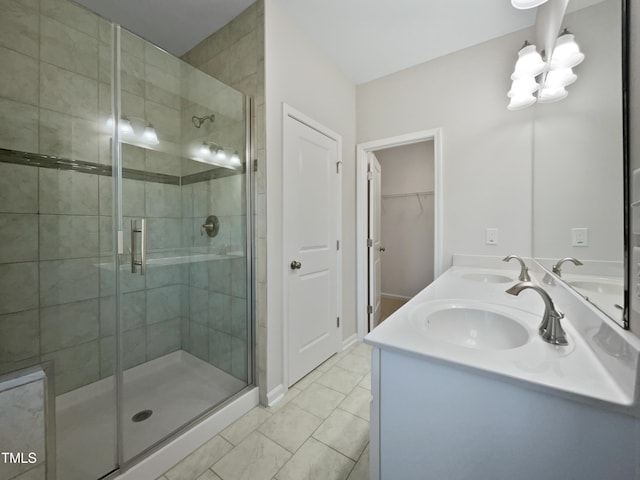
(59, 163)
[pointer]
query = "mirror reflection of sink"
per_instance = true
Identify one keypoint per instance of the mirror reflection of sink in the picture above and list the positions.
(487, 278)
(470, 325)
(597, 287)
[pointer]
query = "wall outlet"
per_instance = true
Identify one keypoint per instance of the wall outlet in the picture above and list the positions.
(579, 237)
(492, 236)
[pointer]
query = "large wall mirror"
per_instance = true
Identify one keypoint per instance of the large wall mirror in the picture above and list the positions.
(578, 166)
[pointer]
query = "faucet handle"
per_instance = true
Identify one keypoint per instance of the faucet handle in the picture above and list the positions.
(524, 270)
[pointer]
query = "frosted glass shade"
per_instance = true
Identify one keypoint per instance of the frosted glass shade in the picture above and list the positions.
(523, 86)
(566, 53)
(150, 135)
(521, 101)
(526, 4)
(560, 78)
(529, 64)
(552, 94)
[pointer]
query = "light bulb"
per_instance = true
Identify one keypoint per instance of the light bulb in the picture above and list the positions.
(529, 64)
(566, 53)
(526, 4)
(150, 135)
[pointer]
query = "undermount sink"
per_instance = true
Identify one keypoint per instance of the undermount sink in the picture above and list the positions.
(471, 325)
(597, 287)
(487, 277)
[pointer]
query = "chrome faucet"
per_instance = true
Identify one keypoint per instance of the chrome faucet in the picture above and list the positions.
(550, 328)
(556, 268)
(524, 271)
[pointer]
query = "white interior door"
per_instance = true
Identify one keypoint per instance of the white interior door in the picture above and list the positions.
(374, 242)
(310, 198)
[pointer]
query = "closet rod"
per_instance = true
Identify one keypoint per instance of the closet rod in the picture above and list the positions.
(397, 195)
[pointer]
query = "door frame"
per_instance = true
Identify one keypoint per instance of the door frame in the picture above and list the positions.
(289, 111)
(362, 284)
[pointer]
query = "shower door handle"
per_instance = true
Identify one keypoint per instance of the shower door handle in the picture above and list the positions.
(142, 263)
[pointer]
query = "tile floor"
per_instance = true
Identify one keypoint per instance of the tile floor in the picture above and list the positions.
(318, 431)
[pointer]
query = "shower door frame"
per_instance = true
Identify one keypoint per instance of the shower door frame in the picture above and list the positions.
(250, 166)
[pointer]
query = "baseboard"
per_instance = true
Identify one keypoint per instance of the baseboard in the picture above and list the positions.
(396, 297)
(347, 342)
(275, 395)
(166, 457)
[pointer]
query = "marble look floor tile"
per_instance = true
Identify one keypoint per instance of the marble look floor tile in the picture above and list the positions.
(362, 349)
(241, 428)
(304, 382)
(339, 379)
(198, 463)
(316, 461)
(319, 400)
(361, 470)
(323, 367)
(345, 432)
(284, 401)
(290, 427)
(366, 382)
(208, 475)
(255, 458)
(355, 363)
(358, 402)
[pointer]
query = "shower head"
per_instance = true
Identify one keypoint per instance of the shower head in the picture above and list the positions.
(198, 121)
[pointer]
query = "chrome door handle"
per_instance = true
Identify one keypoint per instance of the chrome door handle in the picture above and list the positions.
(142, 263)
(295, 265)
(382, 249)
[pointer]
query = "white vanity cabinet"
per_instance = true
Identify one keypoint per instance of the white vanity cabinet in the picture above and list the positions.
(435, 421)
(450, 405)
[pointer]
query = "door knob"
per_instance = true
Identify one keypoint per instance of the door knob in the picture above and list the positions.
(382, 249)
(295, 265)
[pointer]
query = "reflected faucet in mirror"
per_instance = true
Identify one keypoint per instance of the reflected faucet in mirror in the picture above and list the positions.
(557, 268)
(524, 271)
(550, 328)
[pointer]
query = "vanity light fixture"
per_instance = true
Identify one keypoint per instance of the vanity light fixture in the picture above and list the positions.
(552, 77)
(214, 154)
(149, 135)
(526, 4)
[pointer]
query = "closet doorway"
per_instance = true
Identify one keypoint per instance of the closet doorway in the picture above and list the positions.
(401, 223)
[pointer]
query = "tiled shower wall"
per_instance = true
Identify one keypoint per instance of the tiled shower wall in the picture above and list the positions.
(56, 291)
(235, 55)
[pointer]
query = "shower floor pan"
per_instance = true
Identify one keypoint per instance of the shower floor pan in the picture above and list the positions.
(176, 388)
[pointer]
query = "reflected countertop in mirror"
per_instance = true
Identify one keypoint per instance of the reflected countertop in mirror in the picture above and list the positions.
(578, 194)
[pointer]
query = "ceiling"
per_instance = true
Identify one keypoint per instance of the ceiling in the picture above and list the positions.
(366, 39)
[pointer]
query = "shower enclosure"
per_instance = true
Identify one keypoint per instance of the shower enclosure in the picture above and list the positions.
(125, 232)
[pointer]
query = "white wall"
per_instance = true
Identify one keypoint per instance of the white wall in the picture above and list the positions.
(577, 168)
(486, 148)
(298, 74)
(407, 223)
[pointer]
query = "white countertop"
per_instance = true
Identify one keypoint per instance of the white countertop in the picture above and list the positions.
(574, 370)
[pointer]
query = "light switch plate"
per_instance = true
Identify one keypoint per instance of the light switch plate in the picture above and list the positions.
(492, 236)
(580, 237)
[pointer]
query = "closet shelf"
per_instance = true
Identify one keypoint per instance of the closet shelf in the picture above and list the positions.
(411, 194)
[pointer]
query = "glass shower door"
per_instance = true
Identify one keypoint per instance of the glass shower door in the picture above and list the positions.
(184, 318)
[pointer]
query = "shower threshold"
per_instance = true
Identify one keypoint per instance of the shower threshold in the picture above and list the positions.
(176, 388)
